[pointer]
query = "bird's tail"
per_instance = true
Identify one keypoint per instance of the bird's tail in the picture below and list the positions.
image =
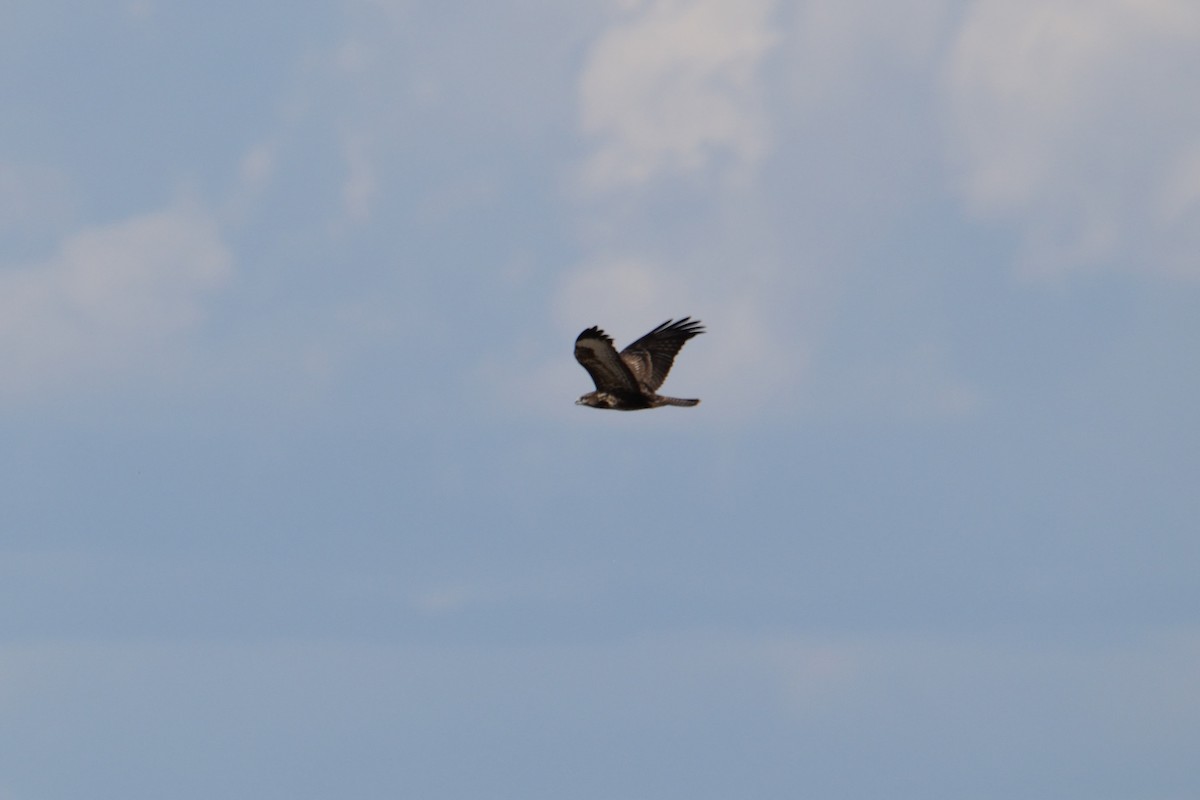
(678, 401)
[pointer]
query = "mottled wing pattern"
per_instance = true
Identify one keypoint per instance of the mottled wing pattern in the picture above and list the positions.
(594, 350)
(650, 357)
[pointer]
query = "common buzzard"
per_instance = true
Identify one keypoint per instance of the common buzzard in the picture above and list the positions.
(630, 380)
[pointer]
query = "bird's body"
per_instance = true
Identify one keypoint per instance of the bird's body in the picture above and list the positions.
(629, 380)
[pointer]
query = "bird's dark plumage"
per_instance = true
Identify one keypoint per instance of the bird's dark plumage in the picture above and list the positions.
(629, 380)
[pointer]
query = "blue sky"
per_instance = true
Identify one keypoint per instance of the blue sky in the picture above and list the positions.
(296, 499)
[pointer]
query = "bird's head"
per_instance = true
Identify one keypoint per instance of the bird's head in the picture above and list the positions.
(596, 400)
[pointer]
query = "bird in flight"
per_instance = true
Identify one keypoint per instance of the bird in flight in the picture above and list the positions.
(629, 380)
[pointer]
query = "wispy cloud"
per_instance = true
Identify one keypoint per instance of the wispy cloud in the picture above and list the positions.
(111, 296)
(673, 88)
(359, 189)
(840, 47)
(1077, 121)
(621, 291)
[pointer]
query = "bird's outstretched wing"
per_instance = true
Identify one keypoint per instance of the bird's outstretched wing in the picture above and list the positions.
(650, 357)
(594, 350)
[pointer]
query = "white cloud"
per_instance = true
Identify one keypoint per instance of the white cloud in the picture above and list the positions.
(110, 297)
(141, 10)
(1077, 120)
(255, 172)
(621, 291)
(444, 600)
(360, 187)
(257, 167)
(674, 88)
(1179, 196)
(839, 44)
